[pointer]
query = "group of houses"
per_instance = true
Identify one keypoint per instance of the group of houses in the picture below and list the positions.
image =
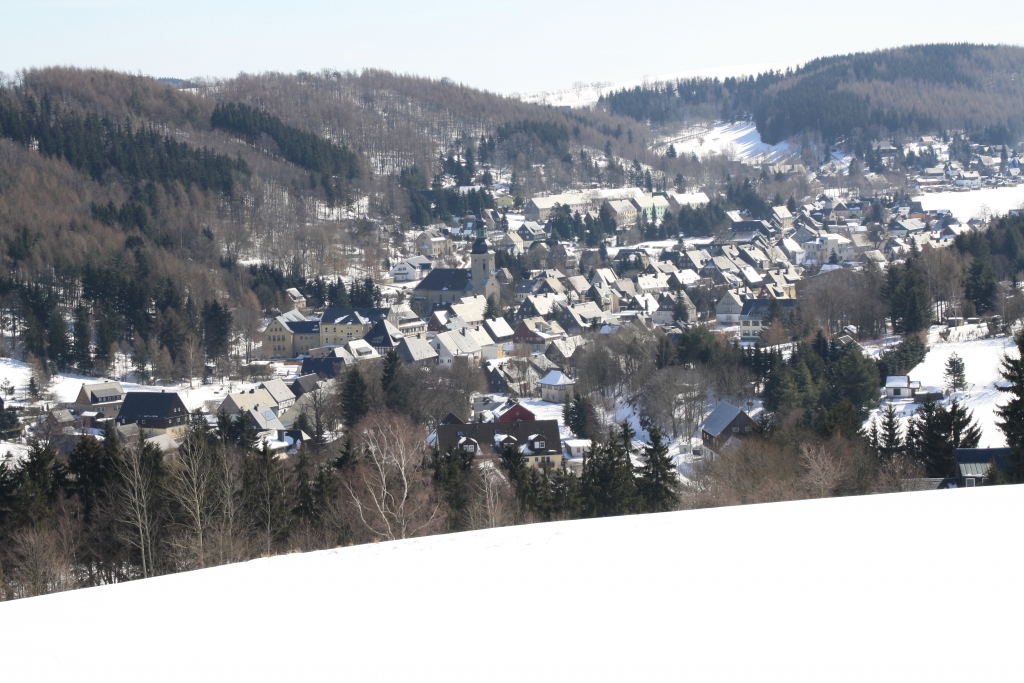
(160, 416)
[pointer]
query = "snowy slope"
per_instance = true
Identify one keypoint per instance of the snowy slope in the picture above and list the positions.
(586, 95)
(869, 588)
(738, 139)
(981, 369)
(989, 201)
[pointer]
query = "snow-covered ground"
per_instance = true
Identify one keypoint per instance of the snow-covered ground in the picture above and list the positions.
(989, 201)
(738, 139)
(586, 95)
(860, 588)
(981, 368)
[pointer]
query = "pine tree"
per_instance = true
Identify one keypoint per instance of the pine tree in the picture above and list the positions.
(890, 439)
(955, 378)
(938, 432)
(658, 485)
(1011, 413)
(353, 399)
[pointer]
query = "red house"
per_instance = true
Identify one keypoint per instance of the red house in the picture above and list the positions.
(517, 412)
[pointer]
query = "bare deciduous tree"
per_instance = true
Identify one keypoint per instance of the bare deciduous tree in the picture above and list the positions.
(193, 485)
(135, 499)
(824, 471)
(392, 490)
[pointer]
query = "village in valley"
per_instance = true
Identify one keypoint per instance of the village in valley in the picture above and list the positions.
(514, 296)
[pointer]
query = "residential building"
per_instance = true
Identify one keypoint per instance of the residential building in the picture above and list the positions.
(104, 398)
(154, 412)
(725, 422)
(537, 440)
(411, 269)
(556, 387)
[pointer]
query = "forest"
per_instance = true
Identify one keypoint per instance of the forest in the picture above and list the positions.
(964, 87)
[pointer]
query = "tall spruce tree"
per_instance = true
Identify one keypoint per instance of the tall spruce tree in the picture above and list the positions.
(956, 380)
(890, 437)
(1011, 413)
(354, 404)
(658, 485)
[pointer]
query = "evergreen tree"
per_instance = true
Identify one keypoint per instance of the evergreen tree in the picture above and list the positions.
(955, 378)
(658, 485)
(937, 434)
(890, 439)
(453, 471)
(83, 335)
(353, 398)
(608, 484)
(1011, 413)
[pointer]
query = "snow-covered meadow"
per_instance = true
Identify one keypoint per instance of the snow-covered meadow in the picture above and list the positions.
(983, 203)
(861, 588)
(981, 368)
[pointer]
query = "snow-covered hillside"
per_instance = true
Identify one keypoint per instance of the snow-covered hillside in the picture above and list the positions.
(739, 140)
(983, 203)
(981, 368)
(879, 587)
(587, 94)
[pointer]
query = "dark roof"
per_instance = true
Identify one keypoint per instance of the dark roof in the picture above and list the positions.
(720, 418)
(380, 336)
(983, 456)
(305, 327)
(152, 405)
(481, 246)
(446, 279)
(451, 419)
(448, 435)
(760, 307)
(304, 384)
(332, 315)
(328, 367)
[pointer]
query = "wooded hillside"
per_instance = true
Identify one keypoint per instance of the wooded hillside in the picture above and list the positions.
(976, 88)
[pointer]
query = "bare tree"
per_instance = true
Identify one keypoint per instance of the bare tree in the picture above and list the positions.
(135, 496)
(493, 502)
(190, 357)
(392, 490)
(824, 471)
(193, 485)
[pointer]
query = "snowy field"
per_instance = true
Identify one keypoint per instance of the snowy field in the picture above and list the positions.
(847, 589)
(586, 95)
(739, 140)
(981, 368)
(990, 201)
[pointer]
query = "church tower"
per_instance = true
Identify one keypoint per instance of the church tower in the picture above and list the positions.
(483, 268)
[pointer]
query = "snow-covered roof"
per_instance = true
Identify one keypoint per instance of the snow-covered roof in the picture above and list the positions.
(556, 378)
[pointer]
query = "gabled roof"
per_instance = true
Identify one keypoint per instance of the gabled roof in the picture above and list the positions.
(103, 390)
(153, 405)
(383, 335)
(352, 316)
(556, 378)
(414, 349)
(304, 384)
(278, 390)
(720, 418)
(446, 279)
(498, 328)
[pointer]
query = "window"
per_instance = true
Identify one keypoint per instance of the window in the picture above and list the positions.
(735, 430)
(969, 482)
(895, 392)
(540, 444)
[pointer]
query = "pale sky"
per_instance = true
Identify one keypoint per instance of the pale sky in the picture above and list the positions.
(525, 46)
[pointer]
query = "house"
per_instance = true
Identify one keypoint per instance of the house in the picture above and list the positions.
(457, 346)
(782, 218)
(653, 206)
(433, 243)
(622, 212)
(280, 393)
(537, 440)
(898, 387)
(383, 337)
(341, 325)
(973, 464)
(154, 412)
(539, 208)
(62, 421)
(729, 308)
(286, 338)
(726, 421)
(512, 243)
(254, 399)
(304, 384)
(411, 269)
(693, 199)
(513, 411)
(561, 351)
(416, 351)
(537, 332)
(104, 398)
(575, 448)
(499, 330)
(296, 298)
(360, 350)
(753, 316)
(556, 387)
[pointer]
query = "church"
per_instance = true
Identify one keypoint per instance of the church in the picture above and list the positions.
(443, 286)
